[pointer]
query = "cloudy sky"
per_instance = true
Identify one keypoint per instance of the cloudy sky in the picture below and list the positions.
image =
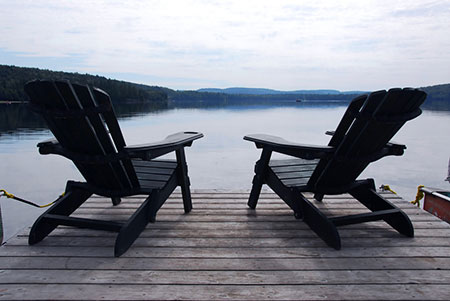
(191, 44)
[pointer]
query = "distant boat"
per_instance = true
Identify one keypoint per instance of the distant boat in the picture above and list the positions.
(301, 99)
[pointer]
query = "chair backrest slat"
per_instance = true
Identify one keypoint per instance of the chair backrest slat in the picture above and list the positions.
(110, 119)
(102, 98)
(45, 95)
(376, 119)
(83, 133)
(347, 120)
(87, 100)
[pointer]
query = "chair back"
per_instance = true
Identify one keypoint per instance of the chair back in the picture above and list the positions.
(83, 121)
(367, 126)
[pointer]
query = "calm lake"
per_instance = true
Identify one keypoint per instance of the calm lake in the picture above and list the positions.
(222, 159)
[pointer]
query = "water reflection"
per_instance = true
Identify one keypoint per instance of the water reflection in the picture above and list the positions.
(18, 117)
(221, 160)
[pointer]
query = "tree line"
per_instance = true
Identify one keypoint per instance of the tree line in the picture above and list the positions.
(216, 98)
(13, 79)
(438, 97)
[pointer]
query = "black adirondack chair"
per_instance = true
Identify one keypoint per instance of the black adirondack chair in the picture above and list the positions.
(361, 137)
(87, 132)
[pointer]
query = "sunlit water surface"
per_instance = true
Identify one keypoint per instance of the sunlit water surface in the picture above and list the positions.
(222, 159)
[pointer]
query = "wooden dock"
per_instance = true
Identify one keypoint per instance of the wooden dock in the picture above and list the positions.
(222, 250)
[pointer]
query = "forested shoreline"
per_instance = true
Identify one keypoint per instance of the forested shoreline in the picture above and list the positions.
(12, 80)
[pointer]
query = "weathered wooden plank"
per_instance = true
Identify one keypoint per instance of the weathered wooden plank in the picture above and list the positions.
(225, 207)
(226, 242)
(240, 211)
(251, 216)
(221, 232)
(226, 292)
(265, 195)
(242, 203)
(240, 196)
(248, 252)
(238, 200)
(130, 277)
(222, 206)
(285, 229)
(265, 192)
(134, 202)
(225, 264)
(276, 225)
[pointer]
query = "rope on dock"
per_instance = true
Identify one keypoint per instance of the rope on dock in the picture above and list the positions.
(419, 196)
(387, 188)
(12, 196)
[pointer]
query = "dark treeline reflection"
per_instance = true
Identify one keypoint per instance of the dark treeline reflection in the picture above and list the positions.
(18, 117)
(256, 105)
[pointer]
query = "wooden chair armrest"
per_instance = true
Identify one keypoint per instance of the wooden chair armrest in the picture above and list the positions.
(52, 146)
(391, 144)
(395, 149)
(143, 151)
(280, 145)
(390, 149)
(155, 149)
(48, 142)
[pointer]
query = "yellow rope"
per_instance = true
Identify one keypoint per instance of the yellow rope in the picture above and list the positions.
(419, 196)
(12, 196)
(387, 188)
(7, 194)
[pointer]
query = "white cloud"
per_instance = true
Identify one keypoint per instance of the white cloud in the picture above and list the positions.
(275, 44)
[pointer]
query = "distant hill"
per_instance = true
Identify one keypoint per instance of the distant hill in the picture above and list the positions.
(12, 80)
(438, 96)
(205, 99)
(262, 91)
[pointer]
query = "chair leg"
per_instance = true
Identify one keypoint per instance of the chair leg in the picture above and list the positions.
(285, 193)
(131, 230)
(319, 222)
(318, 196)
(146, 213)
(66, 205)
(116, 201)
(366, 194)
(258, 179)
(183, 180)
(160, 196)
